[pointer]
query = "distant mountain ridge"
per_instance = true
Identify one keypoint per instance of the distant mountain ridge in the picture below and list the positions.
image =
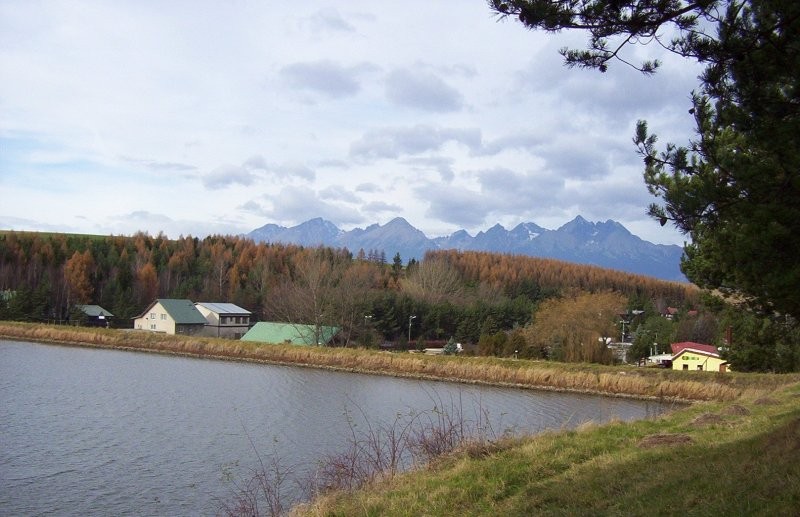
(606, 244)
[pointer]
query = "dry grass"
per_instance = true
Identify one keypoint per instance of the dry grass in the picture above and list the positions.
(618, 381)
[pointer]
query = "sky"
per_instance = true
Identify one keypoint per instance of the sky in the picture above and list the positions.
(198, 118)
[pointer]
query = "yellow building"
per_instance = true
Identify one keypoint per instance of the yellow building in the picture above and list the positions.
(697, 357)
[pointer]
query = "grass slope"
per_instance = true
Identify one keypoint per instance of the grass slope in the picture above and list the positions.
(740, 458)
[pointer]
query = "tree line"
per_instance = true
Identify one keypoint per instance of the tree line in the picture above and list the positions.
(502, 305)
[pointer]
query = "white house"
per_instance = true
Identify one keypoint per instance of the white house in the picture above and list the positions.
(171, 316)
(224, 319)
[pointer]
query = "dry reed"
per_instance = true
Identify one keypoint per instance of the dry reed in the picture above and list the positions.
(518, 373)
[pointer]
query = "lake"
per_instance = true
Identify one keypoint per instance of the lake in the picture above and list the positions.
(105, 432)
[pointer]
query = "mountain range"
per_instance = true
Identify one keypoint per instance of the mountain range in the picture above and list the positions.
(606, 244)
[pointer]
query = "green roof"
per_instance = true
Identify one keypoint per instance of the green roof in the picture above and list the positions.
(278, 333)
(182, 311)
(95, 311)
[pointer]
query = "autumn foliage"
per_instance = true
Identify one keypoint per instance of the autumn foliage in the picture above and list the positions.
(468, 296)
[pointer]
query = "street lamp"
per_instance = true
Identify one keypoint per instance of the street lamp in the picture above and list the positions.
(410, 318)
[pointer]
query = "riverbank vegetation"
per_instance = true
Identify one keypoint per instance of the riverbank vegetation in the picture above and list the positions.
(590, 378)
(714, 458)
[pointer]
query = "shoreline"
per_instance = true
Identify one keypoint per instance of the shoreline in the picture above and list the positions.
(624, 382)
(362, 371)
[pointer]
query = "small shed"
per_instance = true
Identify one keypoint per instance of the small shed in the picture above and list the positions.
(290, 333)
(95, 316)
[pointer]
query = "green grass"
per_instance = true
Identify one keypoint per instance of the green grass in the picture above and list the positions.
(743, 464)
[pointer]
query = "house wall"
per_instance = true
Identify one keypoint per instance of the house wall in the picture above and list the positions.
(210, 316)
(231, 326)
(693, 361)
(226, 331)
(189, 330)
(156, 320)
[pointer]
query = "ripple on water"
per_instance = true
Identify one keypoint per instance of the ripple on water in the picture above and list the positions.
(106, 432)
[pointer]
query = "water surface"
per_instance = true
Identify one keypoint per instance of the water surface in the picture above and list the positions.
(107, 432)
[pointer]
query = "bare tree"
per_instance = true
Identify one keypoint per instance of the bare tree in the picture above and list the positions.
(433, 281)
(309, 298)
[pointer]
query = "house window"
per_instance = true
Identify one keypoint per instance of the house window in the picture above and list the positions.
(163, 317)
(152, 326)
(685, 366)
(152, 315)
(700, 367)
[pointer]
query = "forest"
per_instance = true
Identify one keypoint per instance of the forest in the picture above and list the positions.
(493, 304)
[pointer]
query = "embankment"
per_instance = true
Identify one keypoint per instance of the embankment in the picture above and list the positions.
(606, 380)
(711, 458)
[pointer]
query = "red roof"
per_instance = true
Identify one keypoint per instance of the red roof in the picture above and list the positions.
(677, 348)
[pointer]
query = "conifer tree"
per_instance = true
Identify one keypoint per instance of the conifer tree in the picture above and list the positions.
(735, 187)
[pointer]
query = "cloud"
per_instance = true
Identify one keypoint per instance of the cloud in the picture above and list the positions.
(154, 223)
(256, 162)
(298, 204)
(251, 169)
(576, 161)
(442, 165)
(395, 142)
(26, 224)
(159, 165)
(522, 193)
(333, 164)
(377, 207)
(500, 194)
(253, 207)
(422, 90)
(144, 216)
(339, 193)
(329, 20)
(382, 101)
(293, 170)
(368, 188)
(525, 142)
(456, 205)
(228, 175)
(325, 77)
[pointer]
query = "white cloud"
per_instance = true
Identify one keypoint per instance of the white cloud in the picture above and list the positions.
(392, 143)
(223, 117)
(422, 90)
(325, 77)
(228, 175)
